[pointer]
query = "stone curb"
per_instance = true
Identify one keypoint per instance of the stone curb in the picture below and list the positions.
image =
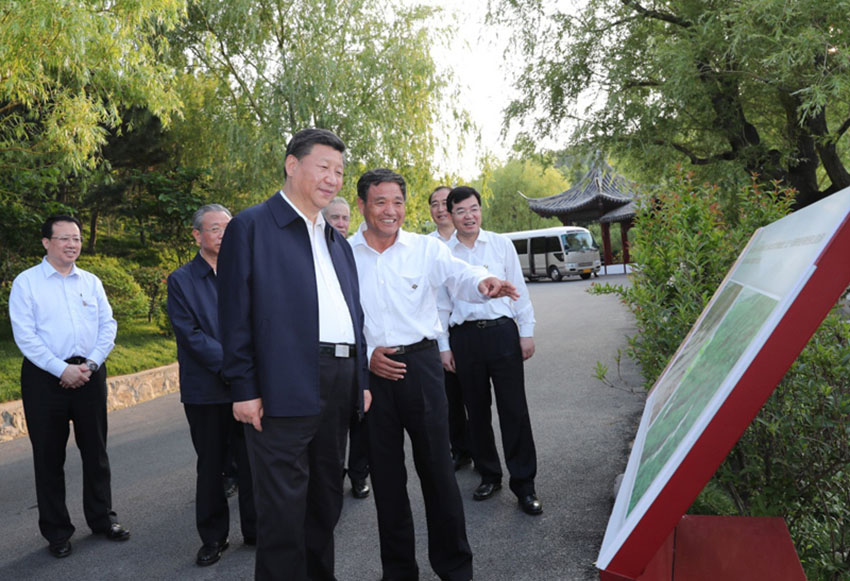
(123, 391)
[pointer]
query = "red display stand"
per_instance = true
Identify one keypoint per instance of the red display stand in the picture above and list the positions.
(711, 548)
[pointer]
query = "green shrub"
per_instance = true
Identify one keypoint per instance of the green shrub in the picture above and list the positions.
(126, 297)
(794, 459)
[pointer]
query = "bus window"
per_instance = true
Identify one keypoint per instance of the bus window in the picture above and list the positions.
(552, 244)
(521, 246)
(538, 245)
(574, 241)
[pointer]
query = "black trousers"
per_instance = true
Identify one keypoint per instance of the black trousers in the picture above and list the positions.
(458, 429)
(358, 448)
(48, 409)
(494, 354)
(297, 465)
(213, 430)
(416, 404)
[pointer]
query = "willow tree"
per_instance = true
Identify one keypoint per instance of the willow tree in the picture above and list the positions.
(752, 86)
(67, 71)
(360, 68)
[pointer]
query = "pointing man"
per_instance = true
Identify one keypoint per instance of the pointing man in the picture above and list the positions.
(400, 274)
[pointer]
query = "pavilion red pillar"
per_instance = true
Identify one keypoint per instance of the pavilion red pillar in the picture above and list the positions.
(606, 245)
(624, 238)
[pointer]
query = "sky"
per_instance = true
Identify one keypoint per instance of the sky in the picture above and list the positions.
(476, 57)
(485, 76)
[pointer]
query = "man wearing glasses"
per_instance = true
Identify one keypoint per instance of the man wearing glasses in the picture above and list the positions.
(486, 343)
(63, 325)
(193, 310)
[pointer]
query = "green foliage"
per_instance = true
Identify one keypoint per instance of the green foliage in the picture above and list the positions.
(683, 246)
(124, 294)
(139, 346)
(733, 88)
(505, 210)
(257, 72)
(794, 460)
(67, 69)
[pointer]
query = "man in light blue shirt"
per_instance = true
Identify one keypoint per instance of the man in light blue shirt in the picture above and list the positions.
(63, 325)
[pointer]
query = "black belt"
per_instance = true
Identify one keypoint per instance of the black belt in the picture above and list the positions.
(484, 323)
(423, 344)
(75, 360)
(336, 349)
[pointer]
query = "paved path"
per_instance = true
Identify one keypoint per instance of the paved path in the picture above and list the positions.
(582, 431)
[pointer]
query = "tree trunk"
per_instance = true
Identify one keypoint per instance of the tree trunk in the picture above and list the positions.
(93, 230)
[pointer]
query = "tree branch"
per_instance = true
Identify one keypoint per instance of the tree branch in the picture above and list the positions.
(657, 14)
(693, 157)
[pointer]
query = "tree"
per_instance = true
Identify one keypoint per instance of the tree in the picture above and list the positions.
(505, 210)
(361, 69)
(69, 71)
(754, 86)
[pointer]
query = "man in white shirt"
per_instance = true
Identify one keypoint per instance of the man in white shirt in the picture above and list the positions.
(63, 325)
(338, 215)
(458, 429)
(489, 342)
(400, 274)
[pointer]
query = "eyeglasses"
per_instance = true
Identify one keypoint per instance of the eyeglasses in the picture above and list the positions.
(473, 211)
(66, 239)
(216, 230)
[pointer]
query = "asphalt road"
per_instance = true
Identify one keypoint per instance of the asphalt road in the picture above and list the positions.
(582, 431)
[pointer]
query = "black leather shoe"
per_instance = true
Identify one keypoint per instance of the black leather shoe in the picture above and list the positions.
(359, 488)
(211, 553)
(485, 490)
(461, 460)
(250, 541)
(60, 550)
(116, 532)
(530, 505)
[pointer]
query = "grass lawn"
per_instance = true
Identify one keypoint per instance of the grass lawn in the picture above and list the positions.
(139, 346)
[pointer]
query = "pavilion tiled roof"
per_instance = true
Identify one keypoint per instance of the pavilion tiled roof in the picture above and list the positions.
(600, 193)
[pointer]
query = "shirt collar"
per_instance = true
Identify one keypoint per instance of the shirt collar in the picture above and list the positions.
(404, 238)
(49, 270)
(320, 219)
(483, 237)
(201, 267)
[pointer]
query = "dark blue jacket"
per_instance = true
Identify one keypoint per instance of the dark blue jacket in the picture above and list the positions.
(193, 310)
(269, 308)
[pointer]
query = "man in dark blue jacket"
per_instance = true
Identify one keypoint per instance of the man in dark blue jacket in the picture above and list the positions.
(295, 357)
(193, 309)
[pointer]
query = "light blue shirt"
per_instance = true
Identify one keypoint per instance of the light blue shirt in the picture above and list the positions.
(56, 317)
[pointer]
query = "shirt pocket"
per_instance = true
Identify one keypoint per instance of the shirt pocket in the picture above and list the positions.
(413, 287)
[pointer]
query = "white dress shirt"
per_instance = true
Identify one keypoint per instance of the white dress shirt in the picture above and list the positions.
(497, 254)
(436, 234)
(57, 317)
(335, 324)
(398, 287)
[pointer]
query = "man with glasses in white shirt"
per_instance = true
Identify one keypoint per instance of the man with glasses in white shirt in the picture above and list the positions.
(63, 325)
(400, 274)
(489, 342)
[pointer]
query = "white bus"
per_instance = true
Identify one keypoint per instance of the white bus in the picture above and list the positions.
(556, 252)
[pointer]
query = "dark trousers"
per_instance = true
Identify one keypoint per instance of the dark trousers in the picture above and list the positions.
(297, 465)
(213, 430)
(358, 448)
(493, 354)
(416, 404)
(458, 429)
(48, 409)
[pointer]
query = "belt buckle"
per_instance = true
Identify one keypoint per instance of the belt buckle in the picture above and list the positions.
(341, 350)
(481, 324)
(399, 350)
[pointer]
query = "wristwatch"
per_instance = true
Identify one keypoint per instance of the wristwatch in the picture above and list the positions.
(93, 367)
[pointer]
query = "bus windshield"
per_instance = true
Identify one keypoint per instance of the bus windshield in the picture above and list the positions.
(574, 241)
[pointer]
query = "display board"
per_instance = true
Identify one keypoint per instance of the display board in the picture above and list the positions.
(759, 319)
